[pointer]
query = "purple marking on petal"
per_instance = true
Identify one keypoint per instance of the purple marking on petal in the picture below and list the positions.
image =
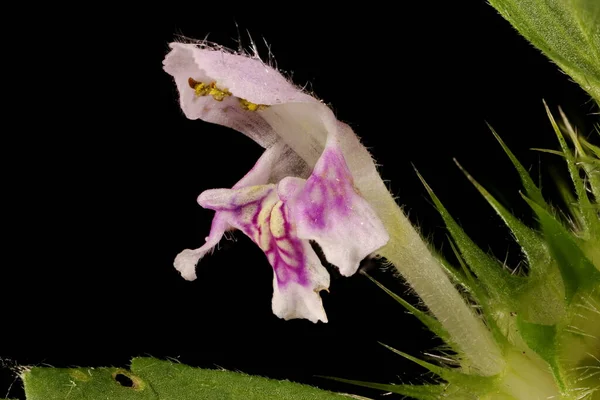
(260, 215)
(328, 208)
(286, 252)
(298, 274)
(329, 188)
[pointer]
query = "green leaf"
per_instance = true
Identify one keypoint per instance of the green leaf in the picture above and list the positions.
(576, 270)
(566, 31)
(161, 380)
(587, 15)
(84, 384)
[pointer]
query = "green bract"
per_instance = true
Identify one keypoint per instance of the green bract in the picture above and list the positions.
(546, 323)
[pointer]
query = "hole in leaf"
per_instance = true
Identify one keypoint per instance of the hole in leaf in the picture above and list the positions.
(124, 380)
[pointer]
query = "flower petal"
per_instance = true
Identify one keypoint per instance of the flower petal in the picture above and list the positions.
(299, 120)
(328, 209)
(243, 77)
(277, 162)
(298, 273)
(186, 261)
(247, 79)
(274, 163)
(243, 93)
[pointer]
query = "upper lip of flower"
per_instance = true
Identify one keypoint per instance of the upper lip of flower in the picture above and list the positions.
(314, 162)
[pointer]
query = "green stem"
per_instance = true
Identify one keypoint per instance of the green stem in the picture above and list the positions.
(423, 272)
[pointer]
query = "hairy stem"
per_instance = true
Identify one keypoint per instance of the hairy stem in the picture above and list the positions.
(423, 272)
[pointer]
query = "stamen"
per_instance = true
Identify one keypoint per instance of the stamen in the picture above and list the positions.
(211, 89)
(247, 105)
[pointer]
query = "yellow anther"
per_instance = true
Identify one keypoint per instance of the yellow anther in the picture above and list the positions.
(247, 105)
(211, 89)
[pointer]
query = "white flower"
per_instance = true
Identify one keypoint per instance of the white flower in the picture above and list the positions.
(306, 186)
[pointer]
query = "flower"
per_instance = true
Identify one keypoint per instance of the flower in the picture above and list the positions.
(306, 186)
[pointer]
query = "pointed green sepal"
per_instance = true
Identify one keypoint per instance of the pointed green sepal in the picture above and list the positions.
(576, 269)
(530, 187)
(531, 243)
(420, 392)
(588, 212)
(575, 218)
(593, 148)
(590, 164)
(430, 322)
(542, 340)
(457, 276)
(467, 272)
(442, 372)
(461, 383)
(498, 282)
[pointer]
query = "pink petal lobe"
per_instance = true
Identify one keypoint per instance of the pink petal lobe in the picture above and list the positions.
(327, 208)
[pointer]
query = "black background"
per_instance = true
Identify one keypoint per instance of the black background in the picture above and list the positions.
(102, 171)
